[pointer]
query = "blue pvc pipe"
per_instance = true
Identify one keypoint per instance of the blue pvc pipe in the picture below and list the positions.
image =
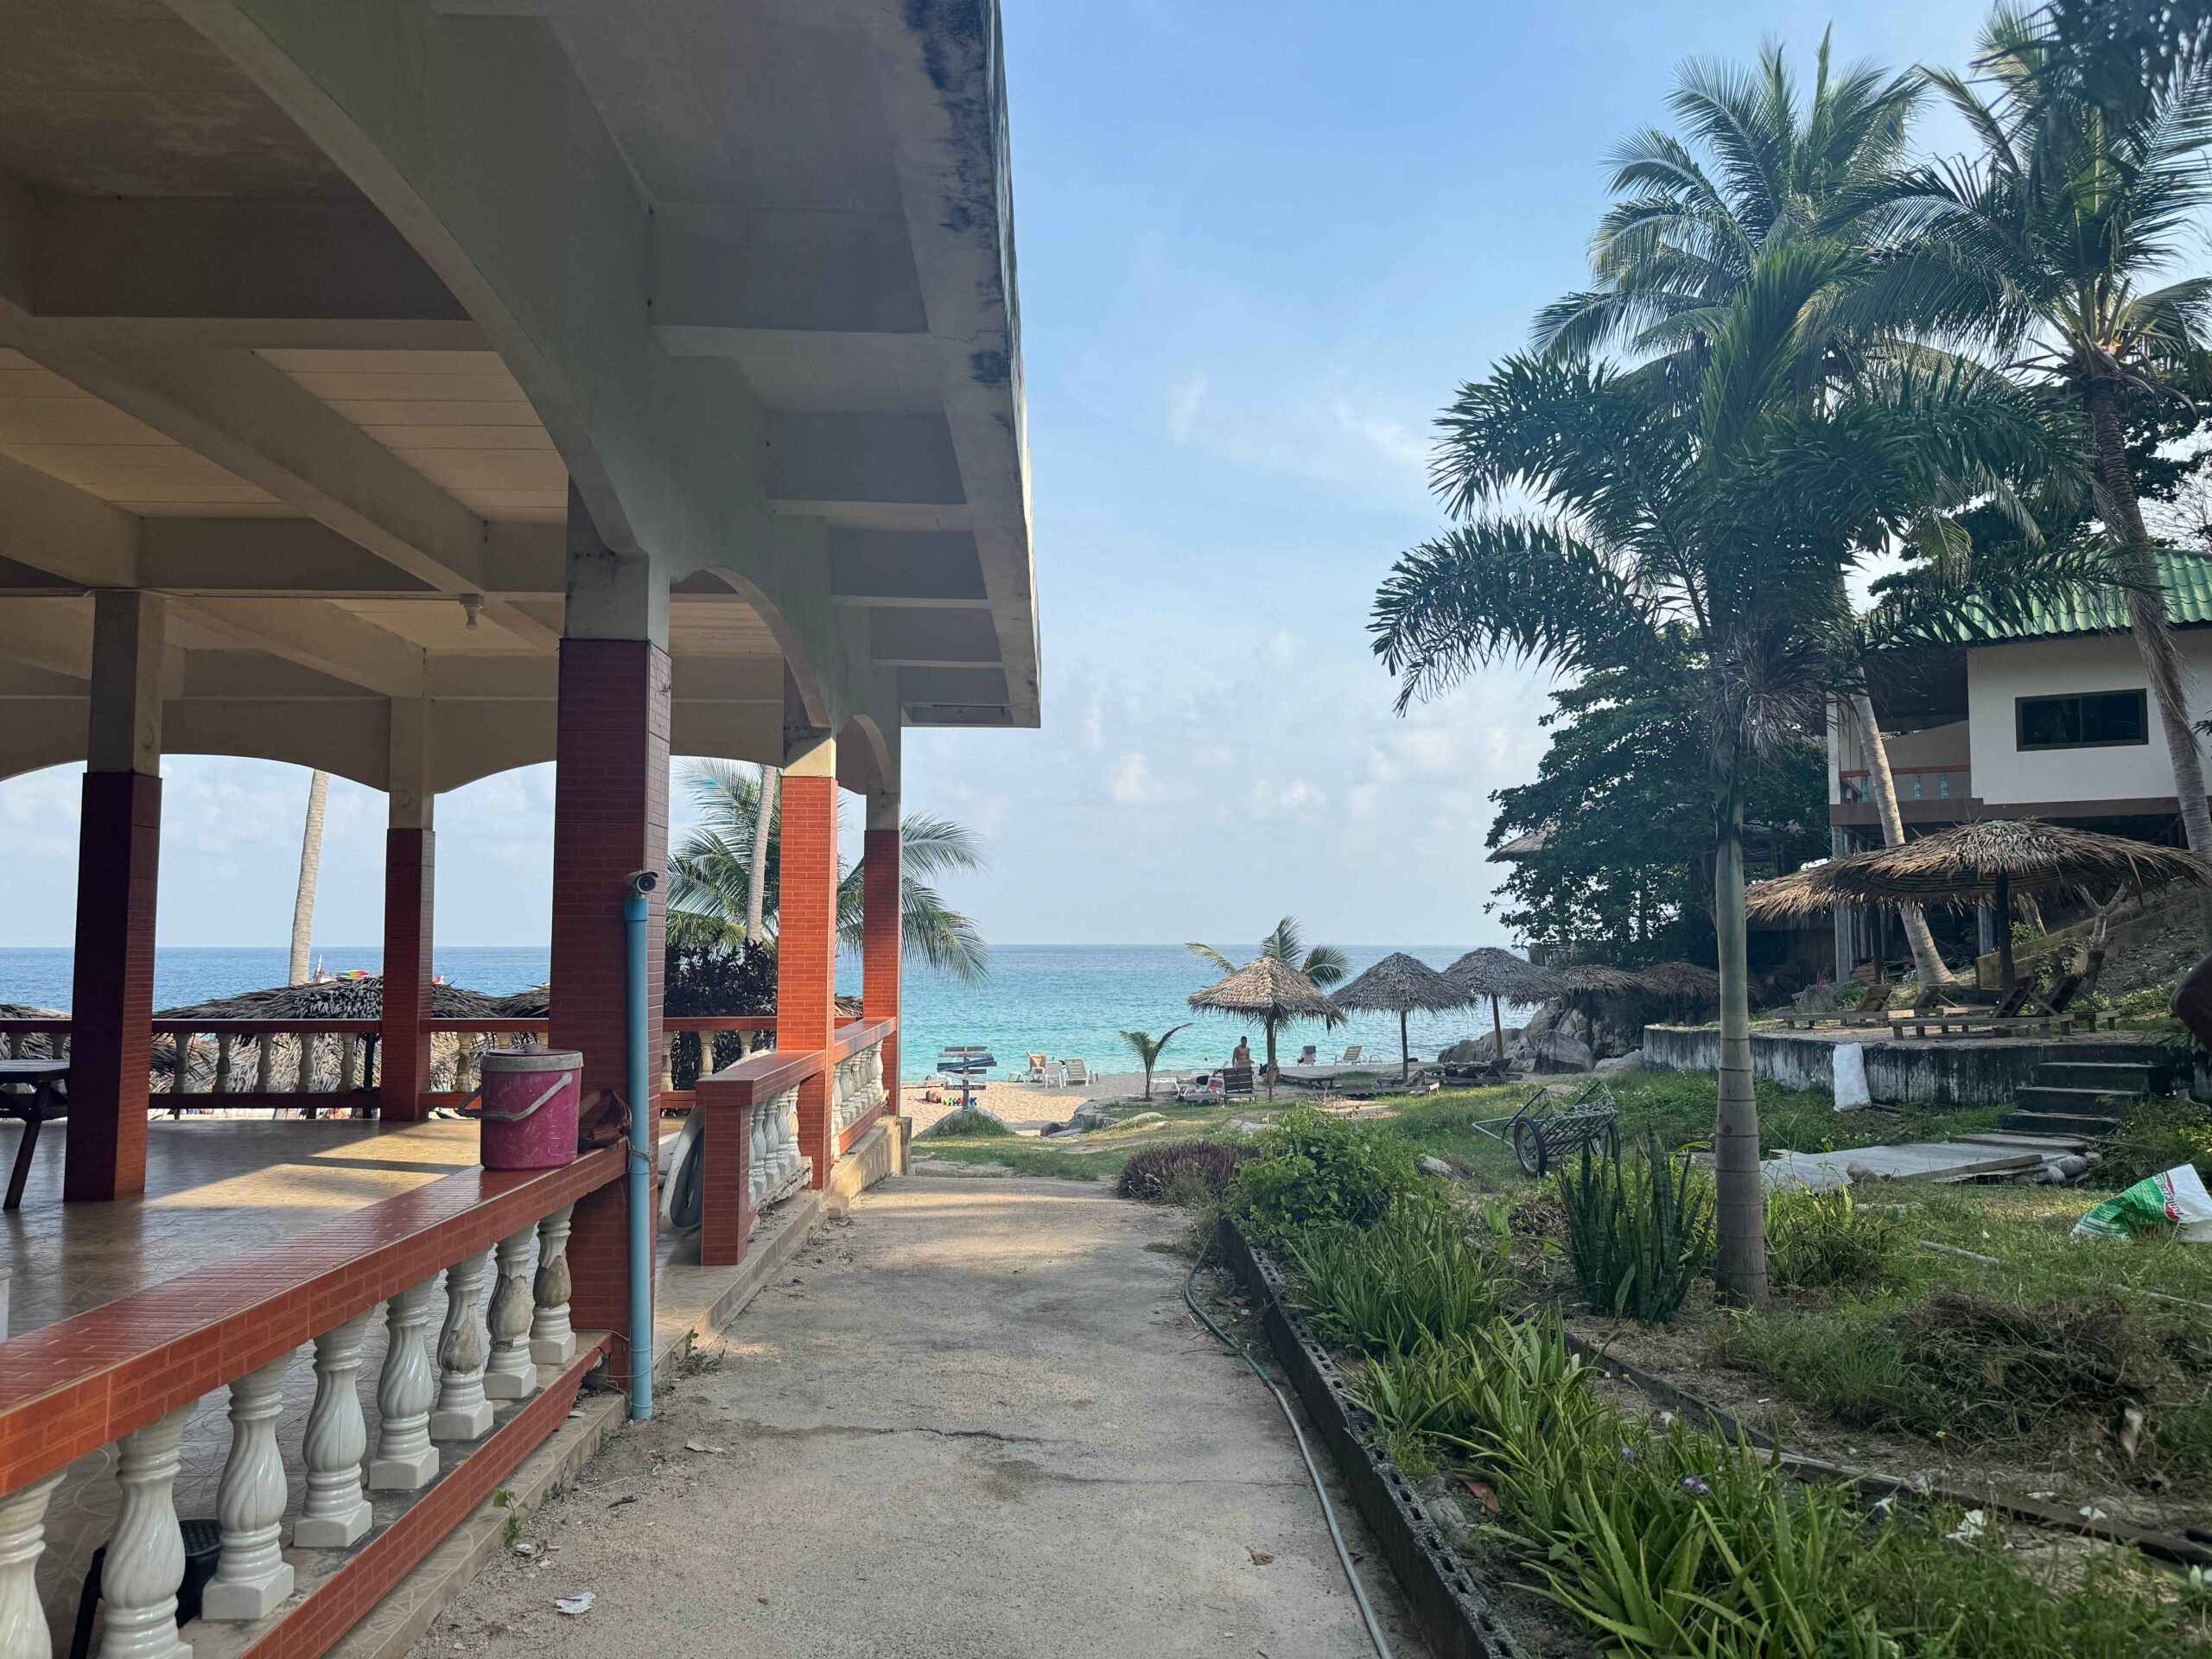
(643, 1155)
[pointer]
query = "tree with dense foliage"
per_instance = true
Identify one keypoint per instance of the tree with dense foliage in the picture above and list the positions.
(1285, 942)
(1621, 823)
(2051, 249)
(710, 885)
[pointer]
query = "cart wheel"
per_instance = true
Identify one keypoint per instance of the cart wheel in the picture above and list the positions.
(1529, 1148)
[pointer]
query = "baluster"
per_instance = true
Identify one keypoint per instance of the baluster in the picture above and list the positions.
(551, 1340)
(23, 1539)
(252, 1575)
(511, 1373)
(349, 1059)
(145, 1555)
(406, 1388)
(756, 1162)
(224, 1044)
(264, 1062)
(463, 1412)
(334, 1514)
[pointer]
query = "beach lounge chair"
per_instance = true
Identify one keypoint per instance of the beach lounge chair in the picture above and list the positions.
(1037, 1064)
(1873, 1009)
(1202, 1089)
(1076, 1074)
(1351, 1056)
(1236, 1083)
(1305, 1056)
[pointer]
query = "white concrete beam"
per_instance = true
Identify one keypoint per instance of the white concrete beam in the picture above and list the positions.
(316, 635)
(61, 529)
(50, 633)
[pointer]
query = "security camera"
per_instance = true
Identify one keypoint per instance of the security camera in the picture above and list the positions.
(643, 882)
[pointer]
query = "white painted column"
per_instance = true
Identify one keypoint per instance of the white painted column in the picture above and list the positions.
(252, 1575)
(511, 1373)
(145, 1555)
(22, 1541)
(406, 1388)
(335, 1513)
(552, 1342)
(463, 1412)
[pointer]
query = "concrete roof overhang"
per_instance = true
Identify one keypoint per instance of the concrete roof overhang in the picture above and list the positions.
(313, 317)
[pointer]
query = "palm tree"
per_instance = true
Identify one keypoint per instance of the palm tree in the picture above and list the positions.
(310, 875)
(1758, 169)
(1148, 1050)
(2048, 250)
(763, 814)
(1286, 942)
(712, 875)
(1715, 517)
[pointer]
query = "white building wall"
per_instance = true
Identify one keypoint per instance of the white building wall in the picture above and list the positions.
(1998, 675)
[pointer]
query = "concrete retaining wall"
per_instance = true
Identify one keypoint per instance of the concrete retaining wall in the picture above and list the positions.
(1902, 1073)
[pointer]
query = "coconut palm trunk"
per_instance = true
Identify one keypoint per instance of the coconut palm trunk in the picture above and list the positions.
(1739, 1272)
(1927, 963)
(2146, 610)
(310, 874)
(764, 817)
(1270, 1025)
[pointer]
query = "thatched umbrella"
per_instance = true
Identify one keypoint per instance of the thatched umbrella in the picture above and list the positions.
(1271, 991)
(1496, 974)
(1994, 859)
(1681, 982)
(1399, 984)
(1594, 979)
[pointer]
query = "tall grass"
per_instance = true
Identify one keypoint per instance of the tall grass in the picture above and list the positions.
(1415, 1275)
(1639, 1230)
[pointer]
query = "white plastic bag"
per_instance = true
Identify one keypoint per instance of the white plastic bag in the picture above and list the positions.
(1851, 1077)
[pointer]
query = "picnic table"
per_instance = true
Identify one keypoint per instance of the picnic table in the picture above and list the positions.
(45, 1099)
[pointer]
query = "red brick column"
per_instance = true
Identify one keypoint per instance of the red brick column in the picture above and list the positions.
(403, 1045)
(726, 1151)
(118, 862)
(806, 938)
(884, 941)
(610, 817)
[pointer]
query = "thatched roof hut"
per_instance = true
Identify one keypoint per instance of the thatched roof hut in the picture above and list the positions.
(1682, 983)
(1594, 979)
(1993, 859)
(1273, 992)
(1400, 984)
(1501, 976)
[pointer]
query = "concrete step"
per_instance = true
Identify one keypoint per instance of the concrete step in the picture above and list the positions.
(2098, 1102)
(2044, 1125)
(2158, 1055)
(2111, 1077)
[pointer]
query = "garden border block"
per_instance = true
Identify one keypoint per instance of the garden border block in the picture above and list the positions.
(1453, 1613)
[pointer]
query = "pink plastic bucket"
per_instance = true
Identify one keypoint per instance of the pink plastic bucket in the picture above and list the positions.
(530, 1100)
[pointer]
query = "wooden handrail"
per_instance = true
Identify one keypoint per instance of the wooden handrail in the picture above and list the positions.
(762, 1076)
(75, 1386)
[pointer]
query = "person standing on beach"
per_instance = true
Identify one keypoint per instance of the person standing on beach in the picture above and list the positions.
(1243, 1057)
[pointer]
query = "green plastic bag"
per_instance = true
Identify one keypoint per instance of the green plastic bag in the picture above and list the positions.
(2177, 1198)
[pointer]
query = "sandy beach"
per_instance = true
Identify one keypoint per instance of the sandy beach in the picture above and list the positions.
(1026, 1107)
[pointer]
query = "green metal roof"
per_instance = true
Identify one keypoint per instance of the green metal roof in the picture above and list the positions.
(2187, 578)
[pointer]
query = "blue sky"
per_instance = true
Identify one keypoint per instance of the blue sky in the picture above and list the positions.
(1260, 246)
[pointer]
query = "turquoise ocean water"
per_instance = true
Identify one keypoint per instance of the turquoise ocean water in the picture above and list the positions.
(1070, 1001)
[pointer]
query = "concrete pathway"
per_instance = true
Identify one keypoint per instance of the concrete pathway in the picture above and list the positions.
(974, 1420)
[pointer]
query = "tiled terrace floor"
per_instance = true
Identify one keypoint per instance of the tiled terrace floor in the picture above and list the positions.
(215, 1188)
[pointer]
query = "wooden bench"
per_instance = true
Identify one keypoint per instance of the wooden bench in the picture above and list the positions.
(44, 1103)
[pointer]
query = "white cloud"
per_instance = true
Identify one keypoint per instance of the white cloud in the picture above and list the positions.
(1131, 782)
(1185, 399)
(1295, 799)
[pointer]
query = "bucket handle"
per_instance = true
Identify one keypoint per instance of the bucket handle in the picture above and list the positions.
(530, 1111)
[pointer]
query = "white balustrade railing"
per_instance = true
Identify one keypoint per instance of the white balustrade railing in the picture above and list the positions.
(774, 1158)
(857, 1088)
(420, 1400)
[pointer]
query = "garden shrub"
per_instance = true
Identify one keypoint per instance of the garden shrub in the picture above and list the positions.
(1639, 1230)
(1815, 1240)
(1207, 1164)
(1313, 1171)
(1414, 1275)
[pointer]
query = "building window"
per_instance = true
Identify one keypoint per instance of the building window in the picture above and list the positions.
(2086, 720)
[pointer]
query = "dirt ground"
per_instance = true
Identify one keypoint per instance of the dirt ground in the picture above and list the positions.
(974, 1419)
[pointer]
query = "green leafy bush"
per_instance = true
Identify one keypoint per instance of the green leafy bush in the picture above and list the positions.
(1312, 1171)
(1639, 1230)
(1414, 1275)
(1818, 1239)
(1208, 1165)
